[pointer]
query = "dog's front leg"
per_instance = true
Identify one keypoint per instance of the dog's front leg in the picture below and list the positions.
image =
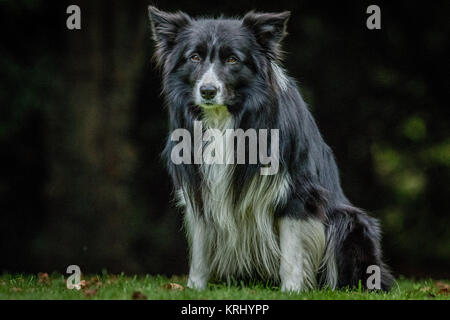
(199, 250)
(302, 243)
(291, 273)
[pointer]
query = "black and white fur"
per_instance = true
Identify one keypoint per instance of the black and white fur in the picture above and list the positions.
(295, 227)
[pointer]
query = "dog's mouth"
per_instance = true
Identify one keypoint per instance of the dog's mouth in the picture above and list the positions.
(211, 105)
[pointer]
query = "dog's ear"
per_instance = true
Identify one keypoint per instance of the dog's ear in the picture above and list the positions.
(165, 28)
(269, 29)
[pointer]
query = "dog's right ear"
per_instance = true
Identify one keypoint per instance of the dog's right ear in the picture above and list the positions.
(165, 28)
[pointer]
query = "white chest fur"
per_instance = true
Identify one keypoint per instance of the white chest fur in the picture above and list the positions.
(242, 237)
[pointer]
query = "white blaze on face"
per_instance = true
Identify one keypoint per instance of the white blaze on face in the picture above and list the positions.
(209, 78)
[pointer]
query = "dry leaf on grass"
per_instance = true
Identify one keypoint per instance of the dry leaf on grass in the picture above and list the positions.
(444, 288)
(442, 285)
(43, 278)
(84, 284)
(137, 295)
(90, 287)
(90, 293)
(173, 286)
(444, 291)
(96, 281)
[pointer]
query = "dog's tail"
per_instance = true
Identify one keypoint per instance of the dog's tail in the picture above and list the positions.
(353, 245)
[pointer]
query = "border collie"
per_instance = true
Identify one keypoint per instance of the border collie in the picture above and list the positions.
(295, 227)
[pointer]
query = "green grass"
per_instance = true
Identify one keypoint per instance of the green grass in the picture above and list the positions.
(158, 287)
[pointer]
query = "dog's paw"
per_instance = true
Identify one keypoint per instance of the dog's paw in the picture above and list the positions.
(291, 287)
(197, 284)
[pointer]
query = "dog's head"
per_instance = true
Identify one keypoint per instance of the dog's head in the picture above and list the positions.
(216, 62)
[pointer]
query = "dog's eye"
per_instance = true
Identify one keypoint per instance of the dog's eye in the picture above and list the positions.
(231, 60)
(195, 58)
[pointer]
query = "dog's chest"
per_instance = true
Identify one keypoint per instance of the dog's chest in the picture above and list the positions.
(243, 232)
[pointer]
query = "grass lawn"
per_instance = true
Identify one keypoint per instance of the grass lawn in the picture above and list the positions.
(44, 286)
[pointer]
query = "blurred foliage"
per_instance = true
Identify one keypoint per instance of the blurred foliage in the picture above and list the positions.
(82, 125)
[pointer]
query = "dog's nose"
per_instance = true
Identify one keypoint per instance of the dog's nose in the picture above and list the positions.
(208, 91)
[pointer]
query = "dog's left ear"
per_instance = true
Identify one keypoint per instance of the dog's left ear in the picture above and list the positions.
(166, 27)
(269, 29)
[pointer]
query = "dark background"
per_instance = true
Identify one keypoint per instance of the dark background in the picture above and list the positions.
(82, 126)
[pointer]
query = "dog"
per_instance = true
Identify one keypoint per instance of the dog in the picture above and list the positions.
(296, 227)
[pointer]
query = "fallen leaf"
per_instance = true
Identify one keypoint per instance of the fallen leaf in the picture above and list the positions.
(42, 275)
(85, 284)
(43, 278)
(442, 285)
(16, 289)
(444, 291)
(173, 286)
(90, 292)
(444, 288)
(96, 281)
(137, 295)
